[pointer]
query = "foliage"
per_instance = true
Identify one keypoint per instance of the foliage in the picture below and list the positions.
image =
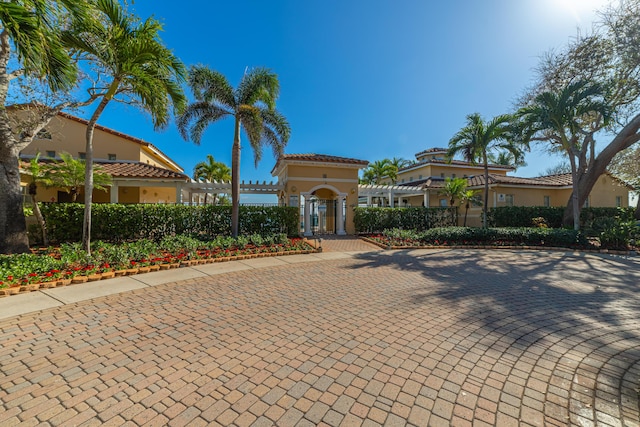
(561, 118)
(374, 220)
(478, 139)
(69, 175)
(211, 171)
(454, 236)
(527, 216)
(375, 172)
(251, 104)
(120, 222)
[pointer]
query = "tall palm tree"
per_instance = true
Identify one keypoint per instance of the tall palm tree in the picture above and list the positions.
(375, 172)
(31, 46)
(211, 171)
(135, 64)
(68, 174)
(251, 105)
(562, 118)
(477, 139)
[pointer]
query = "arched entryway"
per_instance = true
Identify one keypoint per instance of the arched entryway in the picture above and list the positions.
(324, 211)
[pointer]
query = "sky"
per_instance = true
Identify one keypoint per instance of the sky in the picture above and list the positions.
(366, 79)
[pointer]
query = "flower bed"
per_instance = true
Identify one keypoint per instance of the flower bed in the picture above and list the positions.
(51, 267)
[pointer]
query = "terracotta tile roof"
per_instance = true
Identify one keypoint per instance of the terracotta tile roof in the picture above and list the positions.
(431, 182)
(140, 170)
(313, 157)
(453, 162)
(127, 169)
(562, 180)
(432, 150)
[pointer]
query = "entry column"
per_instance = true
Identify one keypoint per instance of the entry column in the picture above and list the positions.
(307, 214)
(340, 217)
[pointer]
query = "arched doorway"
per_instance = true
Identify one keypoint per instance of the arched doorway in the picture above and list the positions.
(323, 211)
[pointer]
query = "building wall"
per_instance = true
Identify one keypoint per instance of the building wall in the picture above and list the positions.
(69, 136)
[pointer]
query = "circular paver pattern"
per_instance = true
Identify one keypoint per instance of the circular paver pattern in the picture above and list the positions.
(386, 338)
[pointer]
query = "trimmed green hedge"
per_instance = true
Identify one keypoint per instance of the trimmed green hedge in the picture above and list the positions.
(522, 216)
(375, 220)
(455, 236)
(120, 222)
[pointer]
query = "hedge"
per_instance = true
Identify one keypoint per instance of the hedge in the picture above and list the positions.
(491, 236)
(375, 220)
(124, 222)
(522, 216)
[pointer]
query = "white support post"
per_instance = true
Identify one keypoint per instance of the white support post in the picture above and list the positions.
(178, 193)
(390, 198)
(340, 216)
(113, 197)
(307, 214)
(426, 198)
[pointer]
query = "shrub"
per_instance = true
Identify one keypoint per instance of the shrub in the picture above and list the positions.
(524, 216)
(375, 220)
(618, 234)
(119, 222)
(491, 236)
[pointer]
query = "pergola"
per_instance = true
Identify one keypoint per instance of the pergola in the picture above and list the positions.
(389, 192)
(215, 187)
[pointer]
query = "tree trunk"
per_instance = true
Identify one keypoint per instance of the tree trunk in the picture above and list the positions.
(485, 207)
(574, 195)
(43, 225)
(13, 226)
(88, 173)
(466, 211)
(624, 139)
(235, 181)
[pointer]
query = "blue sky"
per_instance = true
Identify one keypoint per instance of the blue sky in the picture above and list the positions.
(367, 79)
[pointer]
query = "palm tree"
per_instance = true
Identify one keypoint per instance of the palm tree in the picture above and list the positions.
(30, 41)
(467, 197)
(69, 174)
(477, 139)
(251, 105)
(507, 158)
(453, 189)
(133, 63)
(211, 171)
(562, 118)
(375, 172)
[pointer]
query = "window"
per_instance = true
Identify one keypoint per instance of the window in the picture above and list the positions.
(465, 176)
(419, 176)
(51, 154)
(547, 201)
(82, 155)
(508, 199)
(112, 156)
(618, 201)
(410, 178)
(443, 203)
(402, 182)
(453, 175)
(442, 175)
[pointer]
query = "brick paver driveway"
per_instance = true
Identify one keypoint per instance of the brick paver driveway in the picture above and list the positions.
(423, 338)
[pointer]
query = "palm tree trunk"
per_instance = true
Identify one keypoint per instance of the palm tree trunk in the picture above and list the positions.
(88, 174)
(486, 189)
(235, 181)
(39, 217)
(466, 210)
(574, 196)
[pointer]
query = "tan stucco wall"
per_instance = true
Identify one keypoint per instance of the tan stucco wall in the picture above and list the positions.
(157, 195)
(69, 136)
